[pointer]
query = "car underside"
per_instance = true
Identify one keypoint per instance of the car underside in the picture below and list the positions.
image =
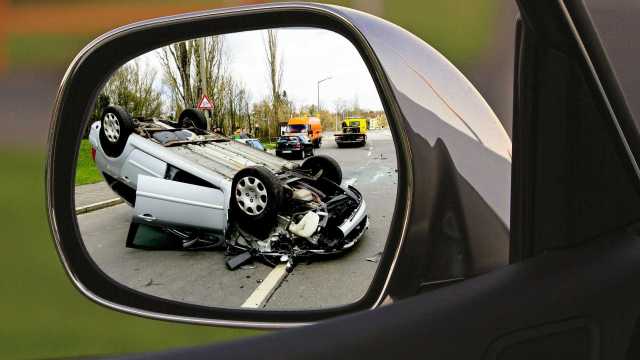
(202, 190)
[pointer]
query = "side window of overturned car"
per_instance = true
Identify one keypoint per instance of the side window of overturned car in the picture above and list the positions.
(246, 170)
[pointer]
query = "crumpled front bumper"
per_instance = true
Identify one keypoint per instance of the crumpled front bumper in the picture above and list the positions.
(354, 223)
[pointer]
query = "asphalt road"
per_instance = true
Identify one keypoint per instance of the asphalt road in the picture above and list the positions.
(201, 277)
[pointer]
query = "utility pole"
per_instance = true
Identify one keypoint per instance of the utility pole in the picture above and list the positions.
(320, 82)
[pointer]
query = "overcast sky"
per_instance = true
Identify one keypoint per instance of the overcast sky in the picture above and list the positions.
(309, 55)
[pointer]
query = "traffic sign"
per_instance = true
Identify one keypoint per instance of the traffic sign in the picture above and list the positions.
(205, 103)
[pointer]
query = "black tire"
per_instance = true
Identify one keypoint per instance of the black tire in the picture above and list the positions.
(113, 136)
(261, 219)
(192, 118)
(330, 168)
(302, 154)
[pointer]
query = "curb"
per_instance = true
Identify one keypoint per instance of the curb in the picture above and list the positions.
(98, 206)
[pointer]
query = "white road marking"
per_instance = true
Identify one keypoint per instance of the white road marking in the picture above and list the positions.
(99, 205)
(263, 292)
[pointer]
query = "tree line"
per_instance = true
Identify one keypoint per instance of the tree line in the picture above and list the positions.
(191, 68)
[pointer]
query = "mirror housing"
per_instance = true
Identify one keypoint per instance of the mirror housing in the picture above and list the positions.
(451, 217)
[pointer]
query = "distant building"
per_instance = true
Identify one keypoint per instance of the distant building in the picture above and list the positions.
(378, 122)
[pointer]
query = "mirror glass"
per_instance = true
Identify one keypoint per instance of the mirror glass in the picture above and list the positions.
(245, 170)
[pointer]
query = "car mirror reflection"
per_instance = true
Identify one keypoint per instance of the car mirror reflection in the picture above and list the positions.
(221, 176)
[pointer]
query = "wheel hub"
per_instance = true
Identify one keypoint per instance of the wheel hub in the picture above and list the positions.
(251, 195)
(111, 127)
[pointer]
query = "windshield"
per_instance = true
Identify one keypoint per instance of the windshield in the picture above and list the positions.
(297, 128)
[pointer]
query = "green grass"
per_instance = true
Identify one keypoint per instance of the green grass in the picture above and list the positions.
(86, 170)
(43, 315)
(269, 146)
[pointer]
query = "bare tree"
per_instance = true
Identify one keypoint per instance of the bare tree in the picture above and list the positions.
(133, 88)
(181, 64)
(275, 68)
(340, 106)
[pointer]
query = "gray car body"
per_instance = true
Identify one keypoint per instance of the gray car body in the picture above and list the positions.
(143, 163)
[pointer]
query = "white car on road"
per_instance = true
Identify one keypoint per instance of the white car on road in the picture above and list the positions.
(195, 184)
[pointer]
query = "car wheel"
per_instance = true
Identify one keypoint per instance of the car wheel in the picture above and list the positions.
(330, 168)
(115, 127)
(256, 196)
(192, 118)
(301, 155)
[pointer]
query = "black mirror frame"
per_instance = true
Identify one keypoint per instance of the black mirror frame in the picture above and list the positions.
(75, 99)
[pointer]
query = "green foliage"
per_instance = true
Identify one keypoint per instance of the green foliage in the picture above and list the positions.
(270, 145)
(86, 170)
(43, 315)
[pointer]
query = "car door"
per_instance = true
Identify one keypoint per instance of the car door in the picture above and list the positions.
(571, 289)
(162, 202)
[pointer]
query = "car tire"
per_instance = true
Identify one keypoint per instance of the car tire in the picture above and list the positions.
(301, 155)
(115, 127)
(256, 196)
(330, 168)
(192, 118)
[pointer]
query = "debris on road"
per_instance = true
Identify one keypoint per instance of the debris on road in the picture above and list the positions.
(375, 258)
(151, 283)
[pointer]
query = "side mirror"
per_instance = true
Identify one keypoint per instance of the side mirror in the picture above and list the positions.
(255, 240)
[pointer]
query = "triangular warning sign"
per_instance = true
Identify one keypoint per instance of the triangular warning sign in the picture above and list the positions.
(205, 103)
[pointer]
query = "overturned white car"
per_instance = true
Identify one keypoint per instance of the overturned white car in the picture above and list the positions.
(203, 188)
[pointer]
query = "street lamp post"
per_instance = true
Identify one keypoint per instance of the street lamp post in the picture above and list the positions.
(319, 82)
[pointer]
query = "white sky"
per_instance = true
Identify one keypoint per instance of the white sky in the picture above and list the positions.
(309, 55)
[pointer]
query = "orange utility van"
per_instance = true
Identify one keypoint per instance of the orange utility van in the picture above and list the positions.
(309, 126)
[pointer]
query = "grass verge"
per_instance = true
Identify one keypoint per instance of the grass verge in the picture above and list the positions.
(86, 170)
